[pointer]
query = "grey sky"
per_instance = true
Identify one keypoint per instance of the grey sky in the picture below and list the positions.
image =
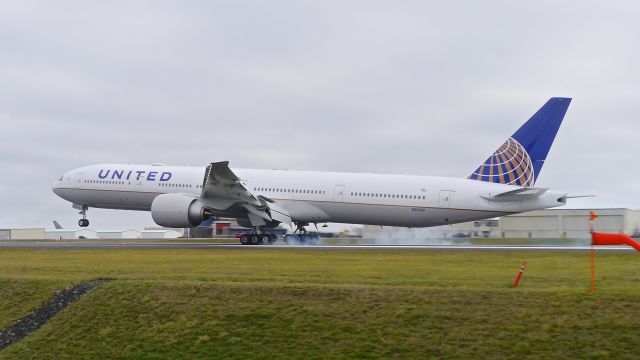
(418, 87)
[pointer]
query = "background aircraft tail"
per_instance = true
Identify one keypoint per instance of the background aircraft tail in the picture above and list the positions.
(519, 160)
(56, 225)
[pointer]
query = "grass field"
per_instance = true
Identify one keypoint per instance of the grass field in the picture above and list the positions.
(310, 304)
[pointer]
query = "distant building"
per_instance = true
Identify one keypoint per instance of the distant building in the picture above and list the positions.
(569, 223)
(22, 234)
(118, 234)
(111, 234)
(70, 234)
(539, 224)
(161, 234)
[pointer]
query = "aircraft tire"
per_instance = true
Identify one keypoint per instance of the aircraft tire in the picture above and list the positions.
(272, 239)
(265, 239)
(289, 239)
(254, 239)
(244, 239)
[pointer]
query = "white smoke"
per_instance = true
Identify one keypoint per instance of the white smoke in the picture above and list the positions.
(421, 236)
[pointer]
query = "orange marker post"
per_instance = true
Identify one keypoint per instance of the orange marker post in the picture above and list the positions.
(522, 266)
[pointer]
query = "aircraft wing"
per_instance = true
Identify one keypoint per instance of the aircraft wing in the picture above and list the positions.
(222, 189)
(520, 194)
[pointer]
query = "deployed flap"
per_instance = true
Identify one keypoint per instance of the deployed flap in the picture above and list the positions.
(516, 195)
(276, 212)
(221, 188)
(257, 212)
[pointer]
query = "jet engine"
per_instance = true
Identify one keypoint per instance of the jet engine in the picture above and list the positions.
(178, 210)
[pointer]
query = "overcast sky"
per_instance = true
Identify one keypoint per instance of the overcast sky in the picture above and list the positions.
(423, 87)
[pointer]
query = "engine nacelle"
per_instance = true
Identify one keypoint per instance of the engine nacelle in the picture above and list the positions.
(177, 210)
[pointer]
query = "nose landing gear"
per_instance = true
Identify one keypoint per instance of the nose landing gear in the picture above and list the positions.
(84, 222)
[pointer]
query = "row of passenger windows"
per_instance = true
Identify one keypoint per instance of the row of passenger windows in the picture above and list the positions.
(116, 182)
(294, 191)
(105, 182)
(178, 185)
(389, 196)
(278, 190)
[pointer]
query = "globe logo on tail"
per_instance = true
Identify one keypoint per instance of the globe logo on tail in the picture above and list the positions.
(510, 164)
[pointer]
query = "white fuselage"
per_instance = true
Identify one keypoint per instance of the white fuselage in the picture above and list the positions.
(308, 196)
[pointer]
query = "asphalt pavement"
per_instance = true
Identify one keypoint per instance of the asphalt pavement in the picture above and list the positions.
(132, 244)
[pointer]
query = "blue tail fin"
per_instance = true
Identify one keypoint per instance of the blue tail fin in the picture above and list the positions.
(519, 160)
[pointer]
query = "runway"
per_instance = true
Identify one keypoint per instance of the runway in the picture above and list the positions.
(84, 245)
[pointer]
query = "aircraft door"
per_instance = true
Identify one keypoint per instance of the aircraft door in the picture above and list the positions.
(76, 179)
(445, 199)
(138, 193)
(338, 194)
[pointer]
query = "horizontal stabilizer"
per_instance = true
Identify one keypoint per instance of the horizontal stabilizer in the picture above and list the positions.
(516, 195)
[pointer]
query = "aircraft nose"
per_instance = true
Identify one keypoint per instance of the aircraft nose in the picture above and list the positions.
(55, 187)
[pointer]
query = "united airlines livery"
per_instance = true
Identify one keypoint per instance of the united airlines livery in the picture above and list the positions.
(179, 196)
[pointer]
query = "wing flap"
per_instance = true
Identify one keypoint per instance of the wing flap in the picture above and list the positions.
(222, 189)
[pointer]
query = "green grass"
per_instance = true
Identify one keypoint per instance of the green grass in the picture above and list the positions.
(237, 304)
(18, 296)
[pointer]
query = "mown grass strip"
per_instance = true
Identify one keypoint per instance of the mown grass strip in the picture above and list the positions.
(140, 320)
(229, 304)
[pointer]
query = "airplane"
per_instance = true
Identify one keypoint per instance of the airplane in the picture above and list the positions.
(180, 196)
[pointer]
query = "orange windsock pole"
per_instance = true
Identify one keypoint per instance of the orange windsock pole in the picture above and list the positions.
(592, 216)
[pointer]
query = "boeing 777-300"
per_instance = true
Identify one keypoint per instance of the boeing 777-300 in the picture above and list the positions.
(179, 196)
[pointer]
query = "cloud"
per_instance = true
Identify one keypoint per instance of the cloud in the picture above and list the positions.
(425, 88)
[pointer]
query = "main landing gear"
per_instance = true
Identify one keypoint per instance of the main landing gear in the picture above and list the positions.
(256, 238)
(301, 236)
(84, 222)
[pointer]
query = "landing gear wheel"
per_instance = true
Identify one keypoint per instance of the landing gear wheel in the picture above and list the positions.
(244, 239)
(254, 239)
(83, 222)
(265, 239)
(289, 239)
